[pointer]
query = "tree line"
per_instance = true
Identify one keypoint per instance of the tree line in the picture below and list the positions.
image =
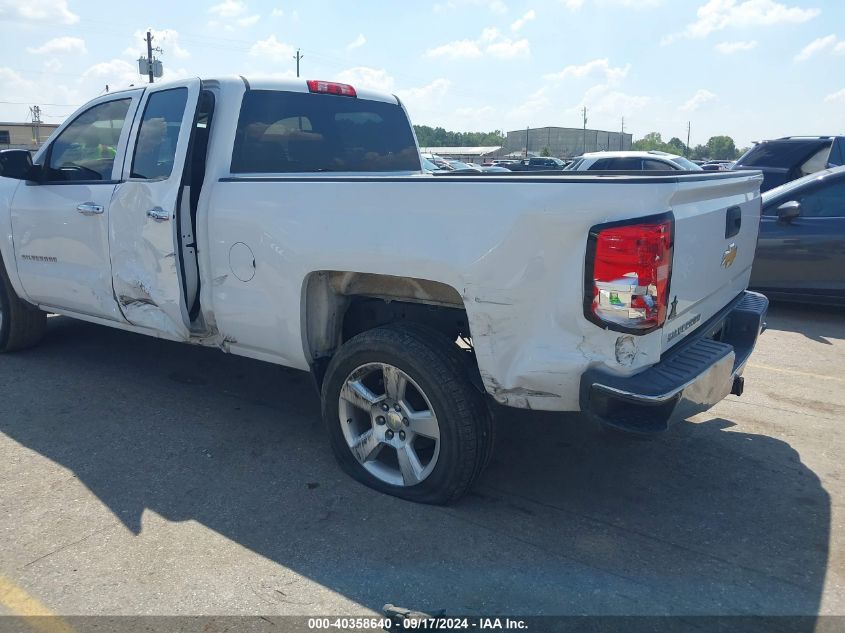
(439, 137)
(717, 148)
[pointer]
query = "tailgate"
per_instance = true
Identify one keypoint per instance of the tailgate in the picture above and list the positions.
(716, 225)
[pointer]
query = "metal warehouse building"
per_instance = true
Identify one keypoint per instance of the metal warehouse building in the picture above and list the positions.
(565, 142)
(25, 135)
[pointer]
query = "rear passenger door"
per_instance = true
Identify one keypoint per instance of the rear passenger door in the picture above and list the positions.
(146, 245)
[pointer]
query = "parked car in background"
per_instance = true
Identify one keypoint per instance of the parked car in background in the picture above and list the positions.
(537, 163)
(716, 165)
(632, 161)
(438, 161)
(784, 159)
(488, 168)
(801, 249)
(459, 165)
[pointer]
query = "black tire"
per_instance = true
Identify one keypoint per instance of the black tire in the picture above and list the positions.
(21, 324)
(441, 371)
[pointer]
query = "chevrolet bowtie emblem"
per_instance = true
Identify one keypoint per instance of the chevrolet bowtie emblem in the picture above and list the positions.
(729, 256)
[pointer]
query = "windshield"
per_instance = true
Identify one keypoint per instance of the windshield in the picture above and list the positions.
(784, 153)
(686, 164)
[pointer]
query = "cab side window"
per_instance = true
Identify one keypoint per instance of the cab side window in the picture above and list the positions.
(155, 148)
(86, 148)
(828, 201)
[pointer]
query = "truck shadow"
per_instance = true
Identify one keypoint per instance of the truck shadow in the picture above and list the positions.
(818, 323)
(705, 520)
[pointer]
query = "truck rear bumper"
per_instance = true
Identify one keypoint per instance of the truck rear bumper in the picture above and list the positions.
(690, 378)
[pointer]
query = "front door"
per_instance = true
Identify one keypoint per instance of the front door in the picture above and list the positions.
(60, 225)
(146, 247)
(806, 255)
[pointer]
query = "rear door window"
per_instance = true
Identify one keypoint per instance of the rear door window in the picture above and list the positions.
(155, 149)
(292, 132)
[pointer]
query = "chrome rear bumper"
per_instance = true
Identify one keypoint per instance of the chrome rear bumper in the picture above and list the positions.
(689, 379)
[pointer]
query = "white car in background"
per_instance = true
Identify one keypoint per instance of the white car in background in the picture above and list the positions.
(632, 161)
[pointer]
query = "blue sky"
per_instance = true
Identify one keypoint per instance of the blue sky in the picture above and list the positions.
(752, 69)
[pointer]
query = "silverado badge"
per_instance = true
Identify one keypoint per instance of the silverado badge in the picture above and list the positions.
(729, 256)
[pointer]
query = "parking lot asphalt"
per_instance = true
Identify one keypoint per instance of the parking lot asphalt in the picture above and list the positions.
(139, 476)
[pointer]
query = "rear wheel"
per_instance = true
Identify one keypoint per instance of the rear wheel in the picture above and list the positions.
(21, 325)
(403, 416)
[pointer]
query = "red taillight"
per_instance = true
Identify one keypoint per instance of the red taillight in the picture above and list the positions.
(331, 88)
(628, 272)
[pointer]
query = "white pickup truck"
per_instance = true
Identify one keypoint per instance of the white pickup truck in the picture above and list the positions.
(290, 222)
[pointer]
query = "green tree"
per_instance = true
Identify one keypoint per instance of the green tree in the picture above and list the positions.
(721, 148)
(438, 137)
(699, 152)
(676, 146)
(546, 152)
(652, 140)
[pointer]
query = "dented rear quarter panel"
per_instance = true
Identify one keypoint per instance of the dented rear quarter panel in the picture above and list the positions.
(513, 249)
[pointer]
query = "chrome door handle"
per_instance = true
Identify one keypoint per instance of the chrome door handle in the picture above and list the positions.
(89, 208)
(158, 214)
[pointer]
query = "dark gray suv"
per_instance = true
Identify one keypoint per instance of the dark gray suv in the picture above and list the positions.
(791, 157)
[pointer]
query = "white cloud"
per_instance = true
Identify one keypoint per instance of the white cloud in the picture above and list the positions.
(728, 48)
(828, 43)
(228, 9)
(431, 92)
(117, 73)
(38, 11)
(69, 45)
(167, 39)
(716, 15)
(358, 42)
(509, 49)
(494, 6)
(574, 5)
(249, 20)
(365, 77)
(277, 13)
(460, 49)
(272, 49)
(602, 66)
(535, 103)
(836, 97)
(491, 42)
(700, 97)
(527, 17)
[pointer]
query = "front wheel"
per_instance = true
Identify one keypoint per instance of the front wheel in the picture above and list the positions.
(21, 325)
(403, 416)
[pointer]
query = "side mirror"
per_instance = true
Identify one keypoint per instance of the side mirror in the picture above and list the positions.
(788, 211)
(15, 163)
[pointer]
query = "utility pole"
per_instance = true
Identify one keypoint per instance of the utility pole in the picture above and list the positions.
(298, 57)
(584, 114)
(622, 135)
(35, 112)
(689, 127)
(526, 142)
(150, 54)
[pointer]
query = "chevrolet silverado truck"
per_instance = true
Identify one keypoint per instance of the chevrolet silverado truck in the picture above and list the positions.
(291, 222)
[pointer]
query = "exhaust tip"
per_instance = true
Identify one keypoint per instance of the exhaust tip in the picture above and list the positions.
(738, 386)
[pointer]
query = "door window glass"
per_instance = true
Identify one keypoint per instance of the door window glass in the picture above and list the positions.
(649, 164)
(155, 149)
(86, 148)
(828, 201)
